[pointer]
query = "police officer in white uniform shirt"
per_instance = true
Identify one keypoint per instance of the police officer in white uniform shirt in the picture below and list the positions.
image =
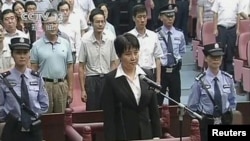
(173, 45)
(213, 93)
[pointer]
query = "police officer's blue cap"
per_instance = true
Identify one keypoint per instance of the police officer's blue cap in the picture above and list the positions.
(214, 49)
(19, 43)
(168, 10)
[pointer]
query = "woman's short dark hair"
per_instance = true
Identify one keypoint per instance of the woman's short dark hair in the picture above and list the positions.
(16, 3)
(101, 5)
(125, 42)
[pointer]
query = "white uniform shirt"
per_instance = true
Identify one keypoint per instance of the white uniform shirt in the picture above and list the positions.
(6, 61)
(150, 48)
(77, 18)
(74, 35)
(85, 6)
(244, 5)
(7, 6)
(227, 11)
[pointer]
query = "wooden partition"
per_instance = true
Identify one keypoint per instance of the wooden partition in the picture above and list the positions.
(53, 124)
(97, 116)
(53, 127)
(88, 117)
(175, 122)
(244, 108)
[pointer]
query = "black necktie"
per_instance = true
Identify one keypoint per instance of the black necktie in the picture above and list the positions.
(217, 99)
(170, 56)
(25, 117)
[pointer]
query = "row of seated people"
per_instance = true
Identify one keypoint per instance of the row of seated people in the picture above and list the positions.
(86, 125)
(241, 62)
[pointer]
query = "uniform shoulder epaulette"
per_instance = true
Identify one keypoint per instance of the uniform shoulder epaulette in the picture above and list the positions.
(35, 73)
(158, 29)
(226, 74)
(5, 74)
(199, 76)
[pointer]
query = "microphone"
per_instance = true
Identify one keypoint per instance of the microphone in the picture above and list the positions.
(150, 82)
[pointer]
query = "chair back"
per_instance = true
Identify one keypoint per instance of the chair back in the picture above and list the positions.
(248, 53)
(207, 36)
(243, 44)
(244, 26)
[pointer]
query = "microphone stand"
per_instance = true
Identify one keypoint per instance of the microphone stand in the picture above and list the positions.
(181, 108)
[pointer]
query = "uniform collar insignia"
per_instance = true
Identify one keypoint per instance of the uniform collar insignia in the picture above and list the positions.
(21, 40)
(206, 86)
(33, 83)
(226, 86)
(216, 45)
(170, 7)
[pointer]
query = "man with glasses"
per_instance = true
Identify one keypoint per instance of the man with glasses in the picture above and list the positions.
(51, 55)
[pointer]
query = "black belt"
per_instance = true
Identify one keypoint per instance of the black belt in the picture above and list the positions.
(173, 66)
(99, 75)
(35, 124)
(151, 70)
(210, 116)
(53, 80)
(231, 27)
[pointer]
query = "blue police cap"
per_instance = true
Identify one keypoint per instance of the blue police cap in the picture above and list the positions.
(168, 10)
(19, 43)
(214, 49)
